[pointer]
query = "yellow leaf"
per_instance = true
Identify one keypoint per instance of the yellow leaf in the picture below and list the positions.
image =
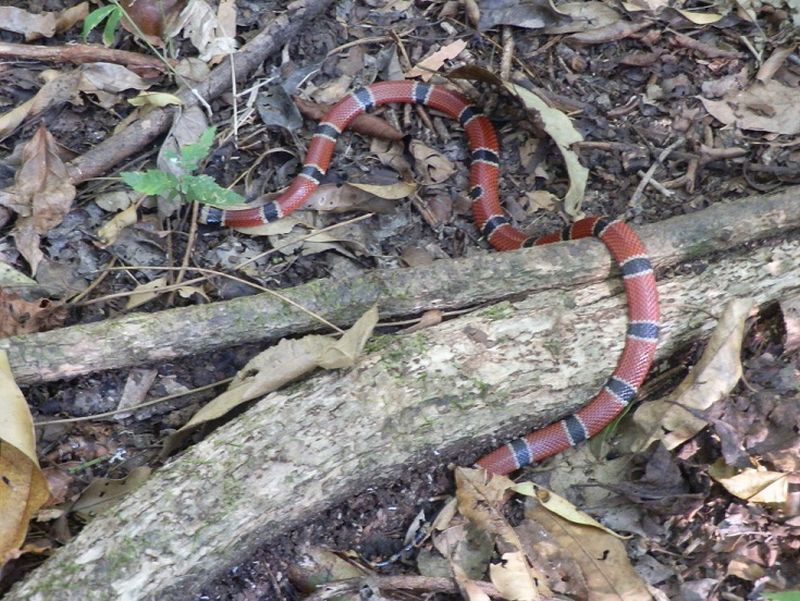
(757, 486)
(556, 124)
(561, 507)
(158, 99)
(559, 127)
(111, 230)
(146, 292)
(700, 18)
(24, 488)
(512, 578)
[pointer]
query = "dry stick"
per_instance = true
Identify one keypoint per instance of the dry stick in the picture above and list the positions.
(140, 134)
(80, 53)
(655, 183)
(420, 584)
(508, 52)
(143, 338)
(637, 194)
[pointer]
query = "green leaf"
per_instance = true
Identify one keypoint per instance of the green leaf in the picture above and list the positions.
(111, 27)
(784, 596)
(194, 153)
(203, 188)
(94, 18)
(151, 182)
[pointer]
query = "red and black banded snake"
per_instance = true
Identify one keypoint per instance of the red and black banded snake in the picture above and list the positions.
(490, 219)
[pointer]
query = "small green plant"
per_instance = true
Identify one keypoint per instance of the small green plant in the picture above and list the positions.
(112, 13)
(783, 596)
(186, 185)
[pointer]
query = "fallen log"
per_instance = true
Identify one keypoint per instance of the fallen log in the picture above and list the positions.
(503, 369)
(143, 338)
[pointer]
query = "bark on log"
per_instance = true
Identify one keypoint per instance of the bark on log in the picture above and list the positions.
(506, 368)
(150, 337)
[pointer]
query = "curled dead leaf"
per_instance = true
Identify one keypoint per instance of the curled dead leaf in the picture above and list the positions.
(24, 488)
(42, 194)
(714, 376)
(283, 363)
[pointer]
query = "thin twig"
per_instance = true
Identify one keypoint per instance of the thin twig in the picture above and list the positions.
(637, 194)
(269, 291)
(169, 397)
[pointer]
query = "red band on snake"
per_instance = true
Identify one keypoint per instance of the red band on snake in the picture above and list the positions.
(490, 219)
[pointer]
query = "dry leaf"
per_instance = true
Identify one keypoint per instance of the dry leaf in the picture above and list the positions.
(69, 17)
(320, 565)
(20, 316)
(103, 493)
(334, 198)
(746, 569)
(283, 363)
(481, 502)
(199, 23)
(532, 14)
(431, 164)
(541, 200)
(602, 558)
(770, 106)
(754, 485)
(145, 292)
(42, 194)
(469, 589)
(714, 376)
(429, 65)
(561, 506)
(699, 18)
(365, 124)
(11, 278)
(24, 488)
(110, 231)
(104, 80)
(31, 25)
(513, 579)
(137, 385)
(388, 191)
(583, 16)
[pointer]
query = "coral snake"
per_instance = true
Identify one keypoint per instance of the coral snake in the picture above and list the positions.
(490, 219)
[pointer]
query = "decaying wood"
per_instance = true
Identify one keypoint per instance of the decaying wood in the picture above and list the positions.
(144, 338)
(503, 369)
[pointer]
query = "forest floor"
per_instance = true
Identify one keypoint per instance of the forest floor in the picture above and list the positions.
(678, 108)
